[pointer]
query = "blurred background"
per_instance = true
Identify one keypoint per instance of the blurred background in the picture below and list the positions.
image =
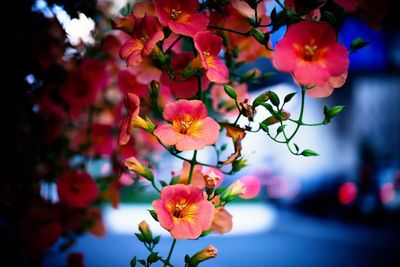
(341, 208)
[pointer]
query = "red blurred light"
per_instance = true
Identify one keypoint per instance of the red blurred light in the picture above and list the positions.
(387, 193)
(347, 193)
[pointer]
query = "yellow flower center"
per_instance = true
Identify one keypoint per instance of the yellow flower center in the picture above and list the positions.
(178, 211)
(174, 14)
(206, 54)
(187, 125)
(309, 52)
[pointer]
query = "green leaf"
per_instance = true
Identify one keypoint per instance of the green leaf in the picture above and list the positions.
(289, 97)
(143, 262)
(264, 127)
(153, 257)
(309, 153)
(133, 262)
(206, 232)
(262, 98)
(219, 190)
(329, 17)
(333, 112)
(174, 180)
(356, 44)
(274, 98)
(230, 91)
(153, 214)
(280, 129)
(163, 183)
(267, 76)
(140, 237)
(156, 240)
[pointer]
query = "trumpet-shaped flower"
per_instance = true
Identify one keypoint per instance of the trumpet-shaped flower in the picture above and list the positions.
(132, 119)
(188, 87)
(208, 45)
(181, 16)
(146, 33)
(77, 189)
(183, 211)
(191, 127)
(222, 221)
(311, 53)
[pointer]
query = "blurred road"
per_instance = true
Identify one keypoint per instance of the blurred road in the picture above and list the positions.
(293, 240)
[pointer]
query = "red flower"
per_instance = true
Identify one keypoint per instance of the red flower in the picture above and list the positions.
(77, 189)
(311, 53)
(103, 142)
(146, 33)
(127, 83)
(40, 229)
(188, 87)
(181, 16)
(209, 45)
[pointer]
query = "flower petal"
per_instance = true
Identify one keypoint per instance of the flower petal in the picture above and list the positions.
(163, 214)
(167, 134)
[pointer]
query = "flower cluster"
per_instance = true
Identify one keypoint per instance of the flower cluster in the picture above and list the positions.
(163, 78)
(194, 50)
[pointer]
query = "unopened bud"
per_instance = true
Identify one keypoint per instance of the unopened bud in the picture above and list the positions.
(144, 229)
(205, 254)
(233, 191)
(134, 165)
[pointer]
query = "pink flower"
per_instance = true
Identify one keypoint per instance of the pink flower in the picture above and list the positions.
(311, 53)
(222, 221)
(209, 45)
(183, 211)
(146, 71)
(181, 16)
(326, 89)
(146, 33)
(127, 83)
(188, 87)
(252, 186)
(77, 189)
(191, 127)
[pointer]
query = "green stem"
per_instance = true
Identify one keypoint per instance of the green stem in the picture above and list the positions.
(237, 118)
(155, 187)
(170, 253)
(229, 30)
(300, 120)
(280, 4)
(192, 163)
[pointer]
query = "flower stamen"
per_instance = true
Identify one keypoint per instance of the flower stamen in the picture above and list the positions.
(174, 14)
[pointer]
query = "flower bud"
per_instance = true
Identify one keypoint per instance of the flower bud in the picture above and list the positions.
(211, 179)
(139, 122)
(145, 231)
(134, 165)
(205, 254)
(123, 23)
(247, 109)
(233, 191)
